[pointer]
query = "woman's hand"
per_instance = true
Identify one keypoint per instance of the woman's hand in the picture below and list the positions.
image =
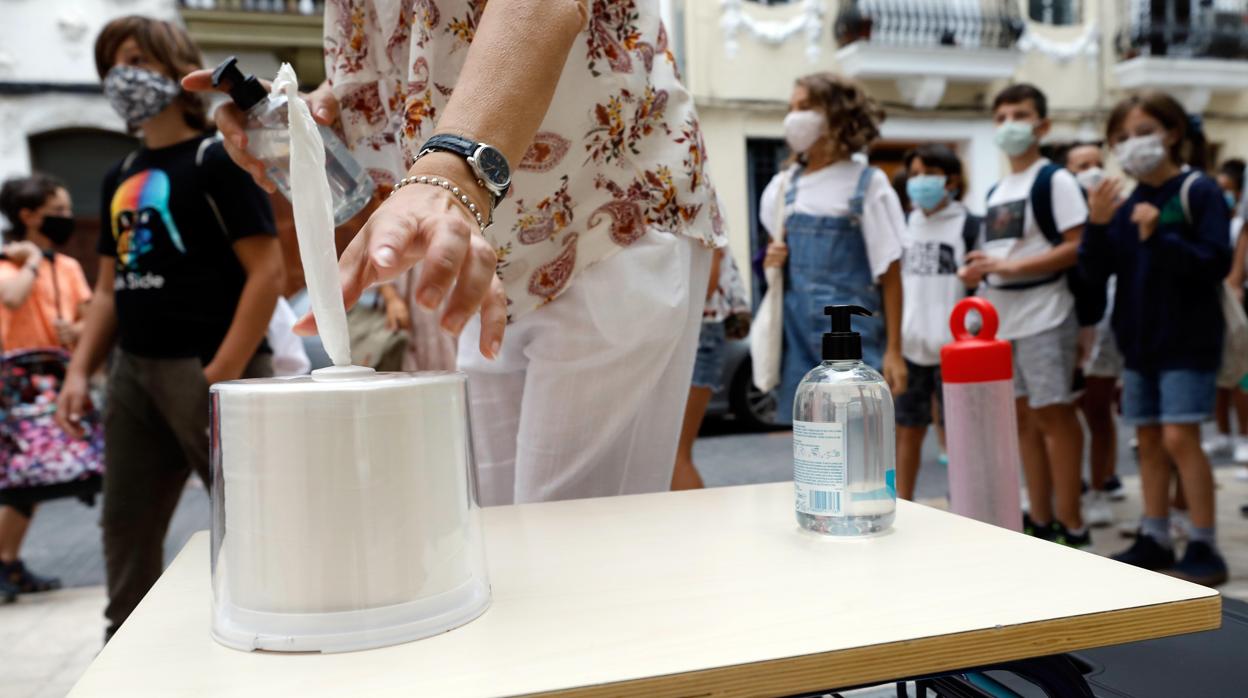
(72, 403)
(980, 264)
(777, 254)
(895, 372)
(424, 223)
(1104, 200)
(1145, 217)
(230, 122)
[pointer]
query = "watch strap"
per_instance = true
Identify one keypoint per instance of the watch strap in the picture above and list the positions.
(452, 143)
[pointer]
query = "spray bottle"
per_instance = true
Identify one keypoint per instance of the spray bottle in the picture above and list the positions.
(268, 139)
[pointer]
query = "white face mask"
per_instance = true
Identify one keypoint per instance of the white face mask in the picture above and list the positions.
(1090, 178)
(803, 128)
(1015, 137)
(1141, 155)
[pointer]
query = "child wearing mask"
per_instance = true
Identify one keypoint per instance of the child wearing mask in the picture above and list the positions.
(1102, 367)
(938, 235)
(189, 275)
(1222, 444)
(1031, 237)
(843, 225)
(1168, 244)
(43, 295)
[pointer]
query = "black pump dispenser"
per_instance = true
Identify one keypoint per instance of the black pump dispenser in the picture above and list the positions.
(842, 343)
(245, 90)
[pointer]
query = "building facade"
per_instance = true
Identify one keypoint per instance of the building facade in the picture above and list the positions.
(935, 65)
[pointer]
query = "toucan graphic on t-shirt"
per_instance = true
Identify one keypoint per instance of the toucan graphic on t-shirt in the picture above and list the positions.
(140, 208)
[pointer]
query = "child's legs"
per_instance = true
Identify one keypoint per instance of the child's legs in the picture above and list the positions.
(1182, 443)
(1098, 410)
(686, 476)
(1035, 459)
(13, 526)
(1154, 472)
(914, 414)
(1222, 411)
(1044, 365)
(1063, 440)
(1239, 400)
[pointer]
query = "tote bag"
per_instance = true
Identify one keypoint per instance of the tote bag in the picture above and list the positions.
(767, 333)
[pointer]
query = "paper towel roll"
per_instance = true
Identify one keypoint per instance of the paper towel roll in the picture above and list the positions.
(344, 492)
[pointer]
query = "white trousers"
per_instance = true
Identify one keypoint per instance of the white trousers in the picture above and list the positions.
(588, 394)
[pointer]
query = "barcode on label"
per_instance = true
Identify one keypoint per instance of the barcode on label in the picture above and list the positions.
(821, 500)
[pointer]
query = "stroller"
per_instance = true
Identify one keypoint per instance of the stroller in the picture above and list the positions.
(37, 458)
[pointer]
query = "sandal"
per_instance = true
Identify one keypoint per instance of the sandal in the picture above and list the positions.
(15, 574)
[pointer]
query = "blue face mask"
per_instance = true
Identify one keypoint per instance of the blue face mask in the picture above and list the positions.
(1230, 199)
(926, 191)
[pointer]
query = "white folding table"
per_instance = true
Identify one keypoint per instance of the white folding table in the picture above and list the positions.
(708, 593)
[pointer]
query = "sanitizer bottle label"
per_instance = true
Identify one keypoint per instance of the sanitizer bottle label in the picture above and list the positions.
(819, 466)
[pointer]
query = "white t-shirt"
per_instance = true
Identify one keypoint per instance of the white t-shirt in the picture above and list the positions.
(934, 248)
(1011, 232)
(1237, 226)
(827, 191)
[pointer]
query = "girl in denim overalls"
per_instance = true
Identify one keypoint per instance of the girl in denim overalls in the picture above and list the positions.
(842, 243)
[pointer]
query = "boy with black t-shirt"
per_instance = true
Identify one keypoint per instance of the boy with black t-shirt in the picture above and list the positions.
(189, 275)
(1034, 222)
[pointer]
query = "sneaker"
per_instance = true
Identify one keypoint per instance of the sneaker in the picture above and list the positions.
(1146, 553)
(1035, 530)
(1113, 489)
(1243, 510)
(1240, 454)
(8, 592)
(1096, 510)
(16, 574)
(1218, 446)
(1063, 536)
(1201, 564)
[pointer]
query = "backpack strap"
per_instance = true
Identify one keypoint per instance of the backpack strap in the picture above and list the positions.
(1042, 203)
(1185, 194)
(971, 227)
(204, 145)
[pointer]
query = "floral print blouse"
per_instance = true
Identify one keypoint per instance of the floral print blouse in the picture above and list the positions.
(619, 153)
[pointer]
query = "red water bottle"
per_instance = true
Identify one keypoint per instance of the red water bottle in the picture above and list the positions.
(981, 426)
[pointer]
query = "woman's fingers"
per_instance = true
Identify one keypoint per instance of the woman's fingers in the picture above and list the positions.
(448, 240)
(493, 319)
(472, 287)
(324, 105)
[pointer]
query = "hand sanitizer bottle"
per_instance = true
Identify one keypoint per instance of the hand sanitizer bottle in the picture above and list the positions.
(268, 138)
(843, 439)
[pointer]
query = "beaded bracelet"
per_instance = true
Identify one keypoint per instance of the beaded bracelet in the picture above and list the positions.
(449, 186)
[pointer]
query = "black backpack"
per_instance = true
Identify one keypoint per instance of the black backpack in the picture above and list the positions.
(1088, 310)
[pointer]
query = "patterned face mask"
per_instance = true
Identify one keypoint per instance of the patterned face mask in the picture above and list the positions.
(136, 94)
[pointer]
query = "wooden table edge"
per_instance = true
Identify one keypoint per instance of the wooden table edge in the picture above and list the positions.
(862, 666)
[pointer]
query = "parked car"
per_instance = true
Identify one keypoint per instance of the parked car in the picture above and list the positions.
(737, 398)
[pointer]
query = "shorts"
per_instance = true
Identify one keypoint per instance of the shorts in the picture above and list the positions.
(708, 366)
(914, 407)
(1044, 365)
(1181, 396)
(1104, 361)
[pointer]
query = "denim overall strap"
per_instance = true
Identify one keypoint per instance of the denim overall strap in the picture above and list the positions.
(857, 204)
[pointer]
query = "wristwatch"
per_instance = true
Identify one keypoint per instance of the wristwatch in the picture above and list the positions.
(487, 162)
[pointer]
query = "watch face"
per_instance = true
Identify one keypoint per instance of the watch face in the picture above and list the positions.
(493, 166)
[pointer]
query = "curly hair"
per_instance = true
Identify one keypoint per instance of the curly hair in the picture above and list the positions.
(853, 116)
